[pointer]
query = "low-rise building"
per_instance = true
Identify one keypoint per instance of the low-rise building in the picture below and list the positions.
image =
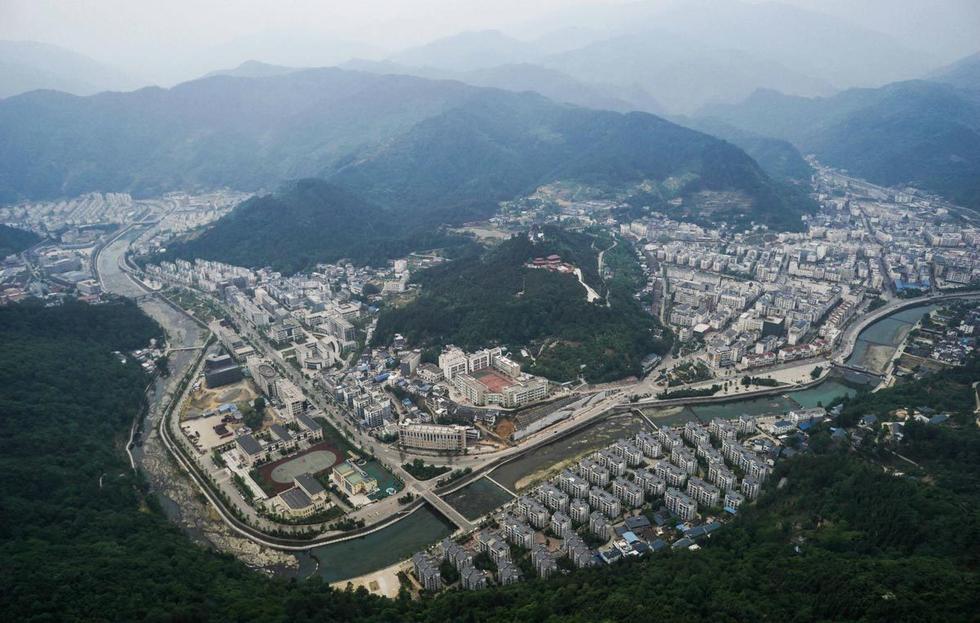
(353, 480)
(436, 437)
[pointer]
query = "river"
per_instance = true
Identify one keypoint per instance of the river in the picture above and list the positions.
(876, 345)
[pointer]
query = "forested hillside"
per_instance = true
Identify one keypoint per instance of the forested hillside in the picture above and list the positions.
(308, 222)
(840, 540)
(14, 240)
(495, 298)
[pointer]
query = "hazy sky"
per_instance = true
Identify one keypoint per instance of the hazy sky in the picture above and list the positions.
(100, 27)
(165, 40)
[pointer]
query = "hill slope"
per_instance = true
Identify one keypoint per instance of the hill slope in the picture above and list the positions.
(917, 132)
(247, 133)
(308, 222)
(502, 145)
(475, 301)
(550, 83)
(29, 65)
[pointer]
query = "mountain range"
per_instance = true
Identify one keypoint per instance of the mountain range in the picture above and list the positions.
(922, 133)
(437, 149)
(29, 65)
(690, 54)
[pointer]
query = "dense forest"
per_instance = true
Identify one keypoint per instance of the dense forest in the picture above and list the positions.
(13, 240)
(494, 298)
(840, 539)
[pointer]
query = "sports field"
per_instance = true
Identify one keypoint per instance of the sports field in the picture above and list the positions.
(278, 475)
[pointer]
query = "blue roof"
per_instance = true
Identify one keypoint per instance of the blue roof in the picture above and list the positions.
(630, 537)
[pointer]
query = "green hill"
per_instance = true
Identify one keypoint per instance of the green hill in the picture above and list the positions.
(495, 298)
(14, 240)
(308, 222)
(502, 145)
(921, 133)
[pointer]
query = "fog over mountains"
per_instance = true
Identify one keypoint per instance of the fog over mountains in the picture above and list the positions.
(681, 55)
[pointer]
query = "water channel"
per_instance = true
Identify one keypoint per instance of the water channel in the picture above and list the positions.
(876, 345)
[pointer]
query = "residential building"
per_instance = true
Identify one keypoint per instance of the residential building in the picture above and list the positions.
(599, 526)
(605, 502)
(561, 524)
(650, 444)
(592, 471)
(674, 476)
(427, 571)
(578, 510)
(733, 499)
(751, 487)
(703, 493)
(680, 505)
(573, 485)
(653, 485)
(629, 492)
(544, 561)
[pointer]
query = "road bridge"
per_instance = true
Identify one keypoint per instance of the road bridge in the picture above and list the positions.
(453, 515)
